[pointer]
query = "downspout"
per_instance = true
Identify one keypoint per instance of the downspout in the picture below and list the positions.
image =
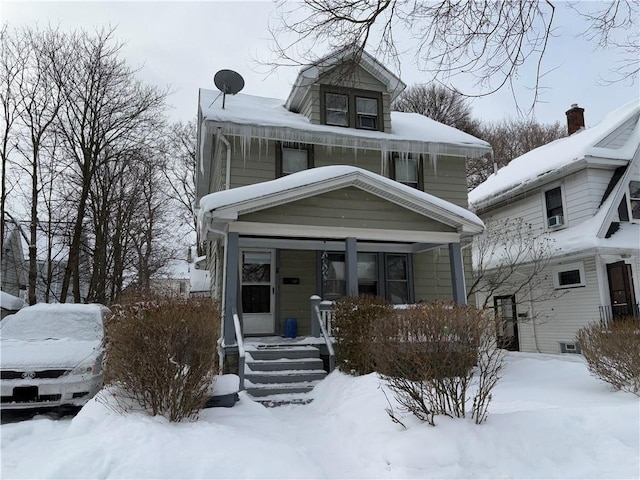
(227, 182)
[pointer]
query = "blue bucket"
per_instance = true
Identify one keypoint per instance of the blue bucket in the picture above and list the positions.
(291, 327)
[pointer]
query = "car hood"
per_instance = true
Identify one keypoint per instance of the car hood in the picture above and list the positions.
(48, 354)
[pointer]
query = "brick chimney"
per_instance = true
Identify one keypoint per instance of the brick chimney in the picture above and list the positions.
(575, 119)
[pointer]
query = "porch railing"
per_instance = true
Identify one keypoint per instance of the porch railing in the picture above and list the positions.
(611, 313)
(322, 318)
(241, 352)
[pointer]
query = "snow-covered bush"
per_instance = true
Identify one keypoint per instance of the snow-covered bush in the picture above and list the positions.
(161, 354)
(357, 328)
(438, 357)
(613, 354)
(435, 357)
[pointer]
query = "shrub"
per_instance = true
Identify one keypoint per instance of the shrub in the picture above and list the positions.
(429, 356)
(357, 326)
(613, 354)
(161, 353)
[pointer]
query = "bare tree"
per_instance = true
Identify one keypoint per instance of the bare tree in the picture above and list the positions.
(442, 104)
(488, 41)
(13, 67)
(509, 139)
(510, 257)
(103, 103)
(180, 173)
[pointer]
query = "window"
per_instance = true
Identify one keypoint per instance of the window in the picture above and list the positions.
(366, 113)
(569, 276)
(351, 108)
(337, 109)
(406, 169)
(553, 205)
(634, 199)
(397, 279)
(292, 158)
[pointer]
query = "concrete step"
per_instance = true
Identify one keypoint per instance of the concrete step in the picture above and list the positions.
(258, 390)
(285, 364)
(274, 352)
(283, 376)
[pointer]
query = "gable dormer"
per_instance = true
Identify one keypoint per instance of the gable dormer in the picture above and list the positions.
(346, 90)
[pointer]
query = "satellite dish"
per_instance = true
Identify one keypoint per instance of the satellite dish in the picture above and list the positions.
(228, 82)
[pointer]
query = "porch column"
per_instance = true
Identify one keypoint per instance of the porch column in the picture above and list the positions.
(351, 266)
(231, 286)
(457, 274)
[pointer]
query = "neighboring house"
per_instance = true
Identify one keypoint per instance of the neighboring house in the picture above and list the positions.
(13, 270)
(583, 192)
(328, 193)
(187, 278)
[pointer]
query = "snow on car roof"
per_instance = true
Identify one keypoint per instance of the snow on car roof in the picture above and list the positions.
(55, 320)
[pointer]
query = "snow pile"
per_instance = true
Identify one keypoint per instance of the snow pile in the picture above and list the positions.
(9, 302)
(548, 419)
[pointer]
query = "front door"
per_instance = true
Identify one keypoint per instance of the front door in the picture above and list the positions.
(257, 285)
(623, 299)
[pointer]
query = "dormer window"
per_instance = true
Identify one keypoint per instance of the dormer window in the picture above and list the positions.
(634, 199)
(366, 113)
(345, 107)
(554, 208)
(337, 109)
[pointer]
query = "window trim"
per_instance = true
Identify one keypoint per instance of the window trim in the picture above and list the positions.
(301, 146)
(392, 170)
(351, 93)
(546, 210)
(569, 267)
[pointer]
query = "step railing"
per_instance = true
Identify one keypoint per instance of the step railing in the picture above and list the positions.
(241, 351)
(609, 314)
(321, 319)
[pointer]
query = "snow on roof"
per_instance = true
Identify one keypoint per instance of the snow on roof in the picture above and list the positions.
(234, 196)
(309, 74)
(549, 158)
(264, 117)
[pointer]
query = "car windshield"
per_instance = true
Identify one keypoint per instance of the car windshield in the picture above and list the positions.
(45, 322)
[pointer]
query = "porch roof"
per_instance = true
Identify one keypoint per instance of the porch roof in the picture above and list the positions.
(220, 208)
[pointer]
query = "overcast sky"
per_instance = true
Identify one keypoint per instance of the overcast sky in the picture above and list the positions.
(183, 44)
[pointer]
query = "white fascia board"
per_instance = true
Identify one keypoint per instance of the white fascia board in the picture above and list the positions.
(371, 234)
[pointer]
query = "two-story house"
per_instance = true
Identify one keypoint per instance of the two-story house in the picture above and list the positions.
(328, 193)
(581, 192)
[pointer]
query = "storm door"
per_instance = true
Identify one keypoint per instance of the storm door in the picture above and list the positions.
(506, 314)
(257, 290)
(623, 299)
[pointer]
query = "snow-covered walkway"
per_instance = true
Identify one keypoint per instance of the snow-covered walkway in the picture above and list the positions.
(548, 419)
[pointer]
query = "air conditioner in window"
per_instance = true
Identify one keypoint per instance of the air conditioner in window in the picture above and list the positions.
(555, 221)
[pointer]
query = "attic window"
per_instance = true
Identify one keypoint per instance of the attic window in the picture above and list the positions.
(634, 199)
(366, 113)
(345, 107)
(337, 109)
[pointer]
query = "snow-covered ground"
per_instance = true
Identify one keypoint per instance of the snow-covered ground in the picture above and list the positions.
(548, 419)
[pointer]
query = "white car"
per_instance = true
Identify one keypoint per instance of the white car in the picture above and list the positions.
(51, 355)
